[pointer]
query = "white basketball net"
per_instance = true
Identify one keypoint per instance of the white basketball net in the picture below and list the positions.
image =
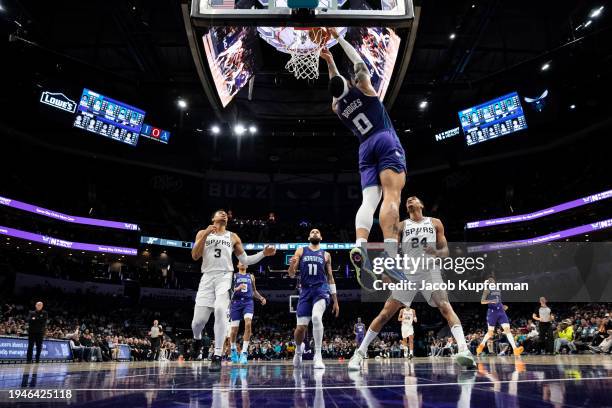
(304, 62)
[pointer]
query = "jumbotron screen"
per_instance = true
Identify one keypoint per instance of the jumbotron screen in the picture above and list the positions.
(498, 117)
(107, 117)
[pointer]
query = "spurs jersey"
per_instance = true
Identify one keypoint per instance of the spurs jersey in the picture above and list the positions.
(217, 256)
(407, 317)
(417, 235)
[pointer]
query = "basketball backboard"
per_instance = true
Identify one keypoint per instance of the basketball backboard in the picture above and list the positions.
(242, 52)
(387, 13)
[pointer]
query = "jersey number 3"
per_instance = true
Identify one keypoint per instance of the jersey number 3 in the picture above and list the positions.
(217, 253)
(362, 123)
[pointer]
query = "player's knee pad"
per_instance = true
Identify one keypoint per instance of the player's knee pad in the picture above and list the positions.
(365, 215)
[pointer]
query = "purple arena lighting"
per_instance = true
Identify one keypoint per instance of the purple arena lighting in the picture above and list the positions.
(554, 236)
(67, 218)
(541, 213)
(47, 240)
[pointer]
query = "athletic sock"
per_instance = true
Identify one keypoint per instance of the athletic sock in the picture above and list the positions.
(360, 241)
(299, 349)
(510, 338)
(218, 351)
(234, 347)
(485, 338)
(245, 346)
(368, 338)
(457, 331)
(391, 246)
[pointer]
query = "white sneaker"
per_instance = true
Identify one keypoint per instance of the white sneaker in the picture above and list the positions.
(297, 360)
(465, 359)
(356, 361)
(318, 362)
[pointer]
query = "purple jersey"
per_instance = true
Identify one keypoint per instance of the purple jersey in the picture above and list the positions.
(495, 295)
(359, 329)
(364, 115)
(312, 268)
(243, 294)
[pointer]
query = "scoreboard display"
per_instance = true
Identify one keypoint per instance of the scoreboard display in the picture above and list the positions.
(151, 132)
(498, 117)
(109, 118)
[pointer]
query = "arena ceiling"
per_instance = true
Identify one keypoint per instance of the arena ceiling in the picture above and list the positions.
(139, 50)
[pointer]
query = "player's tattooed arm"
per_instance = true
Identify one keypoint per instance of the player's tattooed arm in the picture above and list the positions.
(294, 261)
(332, 284)
(441, 249)
(256, 294)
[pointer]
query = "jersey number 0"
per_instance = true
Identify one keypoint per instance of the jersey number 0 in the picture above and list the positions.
(362, 123)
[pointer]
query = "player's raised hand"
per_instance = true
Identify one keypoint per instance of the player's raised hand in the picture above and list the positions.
(211, 229)
(327, 55)
(269, 250)
(333, 32)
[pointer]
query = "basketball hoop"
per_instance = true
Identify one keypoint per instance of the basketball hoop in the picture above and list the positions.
(304, 61)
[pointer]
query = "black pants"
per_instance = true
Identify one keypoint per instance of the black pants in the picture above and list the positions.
(38, 339)
(547, 340)
(155, 345)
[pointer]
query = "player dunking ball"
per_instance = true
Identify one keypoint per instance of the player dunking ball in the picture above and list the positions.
(496, 314)
(317, 285)
(215, 246)
(242, 307)
(407, 316)
(421, 237)
(382, 162)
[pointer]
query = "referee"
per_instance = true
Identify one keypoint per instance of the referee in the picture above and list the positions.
(545, 317)
(37, 326)
(156, 337)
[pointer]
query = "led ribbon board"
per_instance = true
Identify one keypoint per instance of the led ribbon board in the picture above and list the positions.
(541, 213)
(66, 218)
(554, 236)
(47, 240)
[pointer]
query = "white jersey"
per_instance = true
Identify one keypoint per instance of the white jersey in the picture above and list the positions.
(407, 317)
(217, 253)
(417, 235)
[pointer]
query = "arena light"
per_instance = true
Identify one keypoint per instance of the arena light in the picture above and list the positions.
(452, 36)
(239, 129)
(423, 104)
(215, 130)
(597, 12)
(545, 67)
(252, 129)
(588, 23)
(182, 103)
(572, 106)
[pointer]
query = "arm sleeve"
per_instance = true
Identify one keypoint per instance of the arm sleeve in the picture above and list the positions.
(351, 53)
(250, 259)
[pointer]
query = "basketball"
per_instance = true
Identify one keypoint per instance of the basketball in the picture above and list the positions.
(319, 35)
